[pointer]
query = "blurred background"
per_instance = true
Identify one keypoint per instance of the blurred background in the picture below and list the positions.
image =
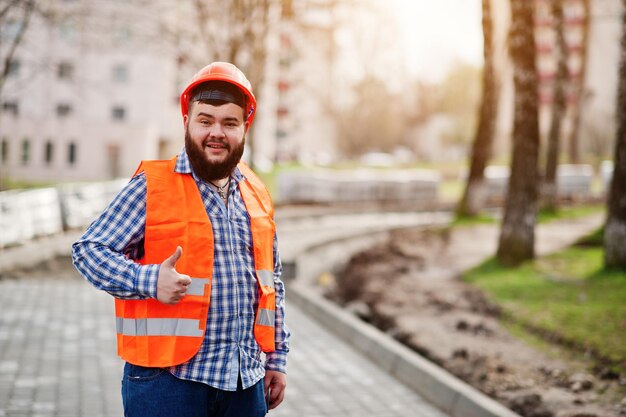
(454, 128)
(90, 87)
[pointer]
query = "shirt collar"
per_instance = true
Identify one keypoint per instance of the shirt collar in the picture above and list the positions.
(183, 166)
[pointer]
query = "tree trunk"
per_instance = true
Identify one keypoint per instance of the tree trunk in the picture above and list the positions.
(517, 234)
(615, 229)
(473, 197)
(550, 191)
(573, 139)
(257, 66)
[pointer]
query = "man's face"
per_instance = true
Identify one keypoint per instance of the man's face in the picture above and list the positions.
(214, 139)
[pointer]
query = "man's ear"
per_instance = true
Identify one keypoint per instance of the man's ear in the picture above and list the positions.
(246, 126)
(186, 119)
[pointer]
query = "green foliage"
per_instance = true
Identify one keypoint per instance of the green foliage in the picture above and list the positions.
(269, 177)
(473, 220)
(451, 190)
(11, 184)
(595, 238)
(574, 212)
(567, 297)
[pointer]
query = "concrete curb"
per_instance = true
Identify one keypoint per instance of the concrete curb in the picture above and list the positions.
(37, 251)
(436, 385)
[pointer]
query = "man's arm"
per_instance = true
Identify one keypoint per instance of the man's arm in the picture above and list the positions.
(103, 255)
(276, 362)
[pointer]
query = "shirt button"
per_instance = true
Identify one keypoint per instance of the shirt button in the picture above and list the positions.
(241, 280)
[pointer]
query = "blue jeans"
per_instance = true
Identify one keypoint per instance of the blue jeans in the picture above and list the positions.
(154, 392)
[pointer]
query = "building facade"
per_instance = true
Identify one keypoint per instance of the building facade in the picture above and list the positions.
(89, 94)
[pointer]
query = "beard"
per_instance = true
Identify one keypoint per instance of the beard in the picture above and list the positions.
(208, 170)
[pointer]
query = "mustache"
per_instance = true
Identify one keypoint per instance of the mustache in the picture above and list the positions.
(216, 142)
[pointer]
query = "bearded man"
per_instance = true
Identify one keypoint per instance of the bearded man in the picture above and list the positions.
(188, 249)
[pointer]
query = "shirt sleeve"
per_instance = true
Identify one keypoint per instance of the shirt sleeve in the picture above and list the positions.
(277, 360)
(105, 254)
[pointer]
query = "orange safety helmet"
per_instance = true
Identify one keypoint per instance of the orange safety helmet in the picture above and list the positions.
(221, 71)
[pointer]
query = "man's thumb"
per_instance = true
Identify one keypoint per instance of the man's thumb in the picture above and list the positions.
(171, 261)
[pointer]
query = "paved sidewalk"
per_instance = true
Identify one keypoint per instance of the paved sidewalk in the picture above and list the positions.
(57, 340)
(57, 358)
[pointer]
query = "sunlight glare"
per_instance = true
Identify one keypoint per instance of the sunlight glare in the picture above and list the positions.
(438, 33)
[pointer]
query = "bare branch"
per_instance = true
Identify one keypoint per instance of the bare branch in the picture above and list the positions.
(29, 5)
(8, 7)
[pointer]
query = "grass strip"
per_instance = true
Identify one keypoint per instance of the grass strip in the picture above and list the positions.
(567, 297)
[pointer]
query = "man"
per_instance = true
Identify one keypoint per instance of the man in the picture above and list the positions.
(188, 250)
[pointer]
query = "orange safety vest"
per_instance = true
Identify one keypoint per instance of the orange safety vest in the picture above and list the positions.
(153, 334)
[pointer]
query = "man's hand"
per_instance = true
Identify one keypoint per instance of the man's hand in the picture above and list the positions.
(171, 286)
(276, 381)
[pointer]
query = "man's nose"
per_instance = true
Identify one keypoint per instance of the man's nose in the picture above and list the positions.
(217, 131)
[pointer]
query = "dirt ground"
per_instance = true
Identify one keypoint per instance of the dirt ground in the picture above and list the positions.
(410, 288)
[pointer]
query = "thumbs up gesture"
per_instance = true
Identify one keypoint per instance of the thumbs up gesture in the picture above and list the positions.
(171, 286)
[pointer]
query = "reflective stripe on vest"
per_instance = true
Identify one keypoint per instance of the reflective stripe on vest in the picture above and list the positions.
(197, 286)
(158, 327)
(265, 317)
(153, 334)
(266, 278)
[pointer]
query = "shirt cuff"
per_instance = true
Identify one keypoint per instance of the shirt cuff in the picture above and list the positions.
(276, 361)
(146, 280)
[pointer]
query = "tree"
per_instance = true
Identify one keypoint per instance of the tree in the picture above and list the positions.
(472, 200)
(615, 228)
(376, 121)
(517, 233)
(549, 190)
(15, 17)
(573, 138)
(366, 112)
(234, 31)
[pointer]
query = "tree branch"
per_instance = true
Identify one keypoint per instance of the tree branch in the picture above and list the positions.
(8, 59)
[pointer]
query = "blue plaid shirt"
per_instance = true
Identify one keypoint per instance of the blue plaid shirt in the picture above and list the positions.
(103, 256)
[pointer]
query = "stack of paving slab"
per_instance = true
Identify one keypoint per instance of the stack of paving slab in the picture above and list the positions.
(28, 214)
(573, 181)
(335, 186)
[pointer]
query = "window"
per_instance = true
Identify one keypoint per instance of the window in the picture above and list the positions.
(11, 107)
(49, 154)
(120, 73)
(12, 29)
(71, 153)
(113, 154)
(25, 151)
(4, 150)
(118, 113)
(14, 68)
(64, 109)
(122, 34)
(65, 71)
(68, 31)
(282, 111)
(281, 133)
